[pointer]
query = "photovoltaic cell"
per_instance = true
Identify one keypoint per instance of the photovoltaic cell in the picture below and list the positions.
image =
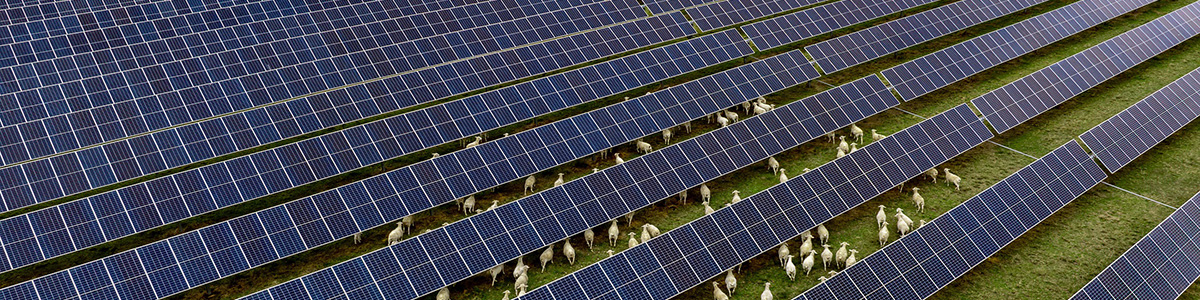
(930, 72)
(760, 222)
(861, 46)
(38, 19)
(1036, 93)
(661, 6)
(1174, 242)
(724, 13)
(965, 236)
(1127, 135)
(319, 219)
(814, 21)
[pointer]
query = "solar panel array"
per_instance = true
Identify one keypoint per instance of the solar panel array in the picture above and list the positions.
(252, 240)
(38, 236)
(27, 20)
(939, 69)
(661, 6)
(1036, 93)
(929, 258)
(1127, 135)
(861, 46)
(132, 158)
(726, 13)
(1161, 265)
(166, 96)
(778, 31)
(444, 256)
(686, 256)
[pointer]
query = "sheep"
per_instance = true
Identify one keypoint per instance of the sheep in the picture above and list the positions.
(495, 203)
(435, 155)
(705, 193)
(717, 293)
(654, 232)
(547, 256)
(730, 281)
(773, 164)
(569, 252)
(826, 256)
(922, 224)
(613, 233)
(443, 294)
(521, 267)
(808, 261)
(851, 259)
(495, 271)
(758, 110)
(951, 178)
(881, 216)
(683, 197)
(723, 121)
(396, 234)
(559, 182)
(688, 126)
(784, 252)
(819, 279)
(475, 143)
(748, 105)
(783, 175)
(807, 244)
(823, 233)
(610, 252)
(469, 205)
(667, 136)
(736, 197)
(505, 295)
(856, 132)
(841, 153)
(766, 294)
(832, 137)
(645, 234)
(408, 222)
(918, 200)
(358, 237)
(708, 210)
(789, 268)
(842, 145)
(629, 218)
(529, 184)
(853, 147)
(842, 253)
(522, 279)
(643, 147)
(522, 291)
(932, 173)
(619, 160)
(589, 236)
(883, 234)
(595, 170)
(900, 215)
(875, 136)
(732, 116)
(901, 227)
(633, 242)
(711, 117)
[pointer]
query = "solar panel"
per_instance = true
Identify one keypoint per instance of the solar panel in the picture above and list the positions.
(918, 264)
(725, 13)
(1127, 135)
(164, 200)
(256, 239)
(549, 216)
(1161, 265)
(661, 6)
(930, 72)
(26, 20)
(778, 31)
(141, 88)
(146, 154)
(1036, 93)
(682, 258)
(861, 46)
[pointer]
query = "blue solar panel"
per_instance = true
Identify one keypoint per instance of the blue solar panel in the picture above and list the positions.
(861, 46)
(920, 263)
(811, 22)
(649, 178)
(1161, 265)
(1132, 132)
(40, 19)
(934, 71)
(783, 211)
(661, 6)
(144, 88)
(725, 13)
(319, 219)
(410, 132)
(1036, 93)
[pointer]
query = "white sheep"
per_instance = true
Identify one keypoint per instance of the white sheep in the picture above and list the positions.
(559, 181)
(853, 147)
(806, 245)
(789, 267)
(918, 200)
(841, 153)
(951, 178)
(619, 160)
(758, 110)
(645, 234)
(547, 256)
(522, 279)
(901, 227)
(705, 193)
(522, 291)
(683, 197)
(717, 293)
(643, 147)
(495, 203)
(475, 143)
(443, 294)
(748, 105)
(723, 121)
(396, 234)
(529, 181)
(708, 210)
(783, 252)
(932, 173)
(773, 164)
(654, 232)
(613, 233)
(495, 271)
(732, 116)
(610, 252)
(435, 155)
(358, 237)
(819, 279)
(633, 242)
(505, 295)
(900, 215)
(469, 205)
(851, 259)
(730, 281)
(823, 233)
(842, 145)
(881, 216)
(766, 294)
(922, 224)
(687, 126)
(629, 218)
(808, 261)
(842, 253)
(883, 234)
(856, 132)
(667, 136)
(832, 137)
(736, 197)
(783, 175)
(826, 256)
(408, 222)
(569, 252)
(520, 268)
(875, 136)
(589, 236)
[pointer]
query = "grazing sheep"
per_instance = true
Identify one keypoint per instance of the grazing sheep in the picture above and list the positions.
(842, 145)
(494, 204)
(748, 105)
(901, 227)
(730, 281)
(841, 153)
(806, 170)
(851, 259)
(688, 126)
(883, 234)
(922, 224)
(619, 160)
(475, 143)
(559, 182)
(495, 271)
(654, 232)
(789, 268)
(444, 293)
(826, 256)
(645, 234)
(521, 267)
(806, 245)
(723, 121)
(469, 205)
(819, 279)
(758, 110)
(529, 184)
(629, 218)
(732, 116)
(783, 175)
(823, 233)
(505, 295)
(435, 155)
(853, 147)
(569, 252)
(900, 215)
(808, 262)
(881, 216)
(357, 237)
(522, 291)
(875, 136)
(832, 137)
(856, 132)
(547, 256)
(708, 210)
(705, 193)
(595, 170)
(784, 252)
(766, 294)
(396, 234)
(932, 173)
(610, 252)
(773, 165)
(736, 198)
(667, 136)
(683, 197)
(613, 233)
(522, 279)
(951, 178)
(842, 253)
(589, 236)
(643, 147)
(717, 293)
(633, 242)
(918, 200)
(408, 222)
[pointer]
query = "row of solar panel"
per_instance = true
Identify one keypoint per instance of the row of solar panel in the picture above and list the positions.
(1161, 265)
(447, 255)
(921, 262)
(686, 256)
(316, 220)
(103, 109)
(146, 154)
(21, 12)
(939, 69)
(861, 46)
(141, 207)
(726, 13)
(1127, 135)
(1036, 93)
(778, 31)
